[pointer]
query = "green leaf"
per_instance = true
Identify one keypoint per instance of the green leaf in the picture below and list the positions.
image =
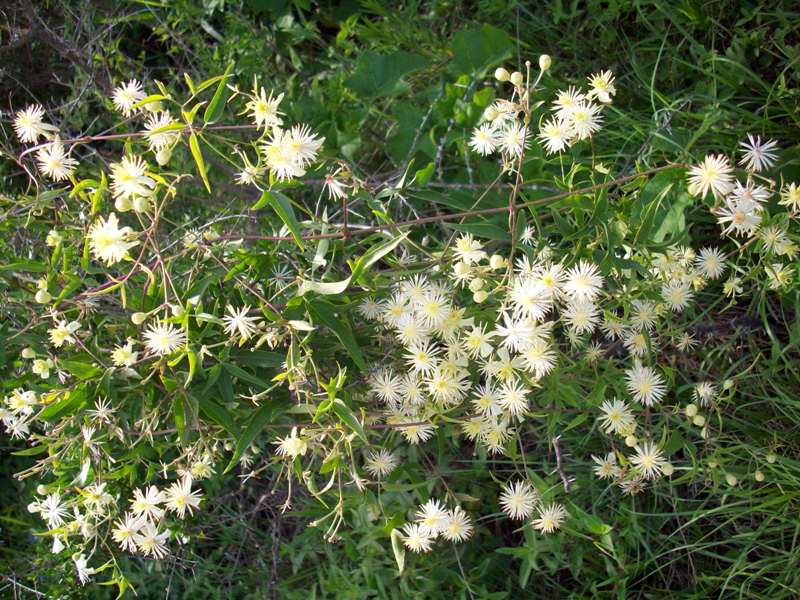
(325, 313)
(374, 254)
(283, 207)
(69, 404)
(398, 549)
(484, 230)
(261, 417)
(478, 49)
(382, 74)
(218, 414)
(323, 288)
(194, 146)
(245, 376)
(31, 451)
(80, 370)
(345, 414)
(214, 108)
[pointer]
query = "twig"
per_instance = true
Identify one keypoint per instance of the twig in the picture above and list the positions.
(559, 466)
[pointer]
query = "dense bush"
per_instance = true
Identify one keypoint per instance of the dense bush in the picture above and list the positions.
(377, 301)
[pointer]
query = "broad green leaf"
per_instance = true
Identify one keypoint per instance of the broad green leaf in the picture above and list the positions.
(325, 313)
(214, 108)
(345, 414)
(478, 49)
(382, 74)
(257, 422)
(283, 207)
(194, 146)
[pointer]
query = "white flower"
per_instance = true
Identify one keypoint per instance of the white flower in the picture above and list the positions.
(127, 95)
(606, 467)
(263, 109)
(539, 358)
(644, 384)
(617, 417)
(54, 162)
(52, 510)
(513, 398)
(518, 500)
(583, 281)
(160, 139)
(124, 356)
(379, 464)
(146, 504)
(469, 249)
(280, 157)
(163, 338)
(485, 401)
(581, 316)
(790, 196)
(292, 446)
(431, 517)
(567, 100)
(108, 242)
(712, 175)
(514, 139)
(369, 308)
(304, 144)
(81, 568)
(477, 343)
(238, 323)
(677, 294)
(550, 518)
(585, 119)
(704, 392)
(151, 542)
(602, 85)
(711, 263)
(556, 135)
(422, 358)
(485, 139)
(517, 334)
(416, 538)
(125, 530)
(741, 217)
(63, 332)
(749, 194)
(648, 460)
(757, 156)
(179, 497)
(530, 298)
(28, 124)
(386, 385)
(457, 527)
(129, 179)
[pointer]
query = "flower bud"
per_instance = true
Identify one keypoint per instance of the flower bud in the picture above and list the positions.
(491, 113)
(480, 297)
(699, 420)
(668, 469)
(42, 297)
(727, 384)
(475, 285)
(544, 62)
(771, 458)
(497, 262)
(177, 310)
(730, 478)
(759, 475)
(517, 78)
(122, 204)
(501, 74)
(631, 441)
(28, 353)
(163, 156)
(712, 464)
(141, 203)
(138, 318)
(690, 410)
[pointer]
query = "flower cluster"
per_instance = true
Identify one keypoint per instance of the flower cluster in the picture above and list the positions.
(432, 521)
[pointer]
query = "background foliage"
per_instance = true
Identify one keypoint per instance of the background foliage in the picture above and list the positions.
(397, 89)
